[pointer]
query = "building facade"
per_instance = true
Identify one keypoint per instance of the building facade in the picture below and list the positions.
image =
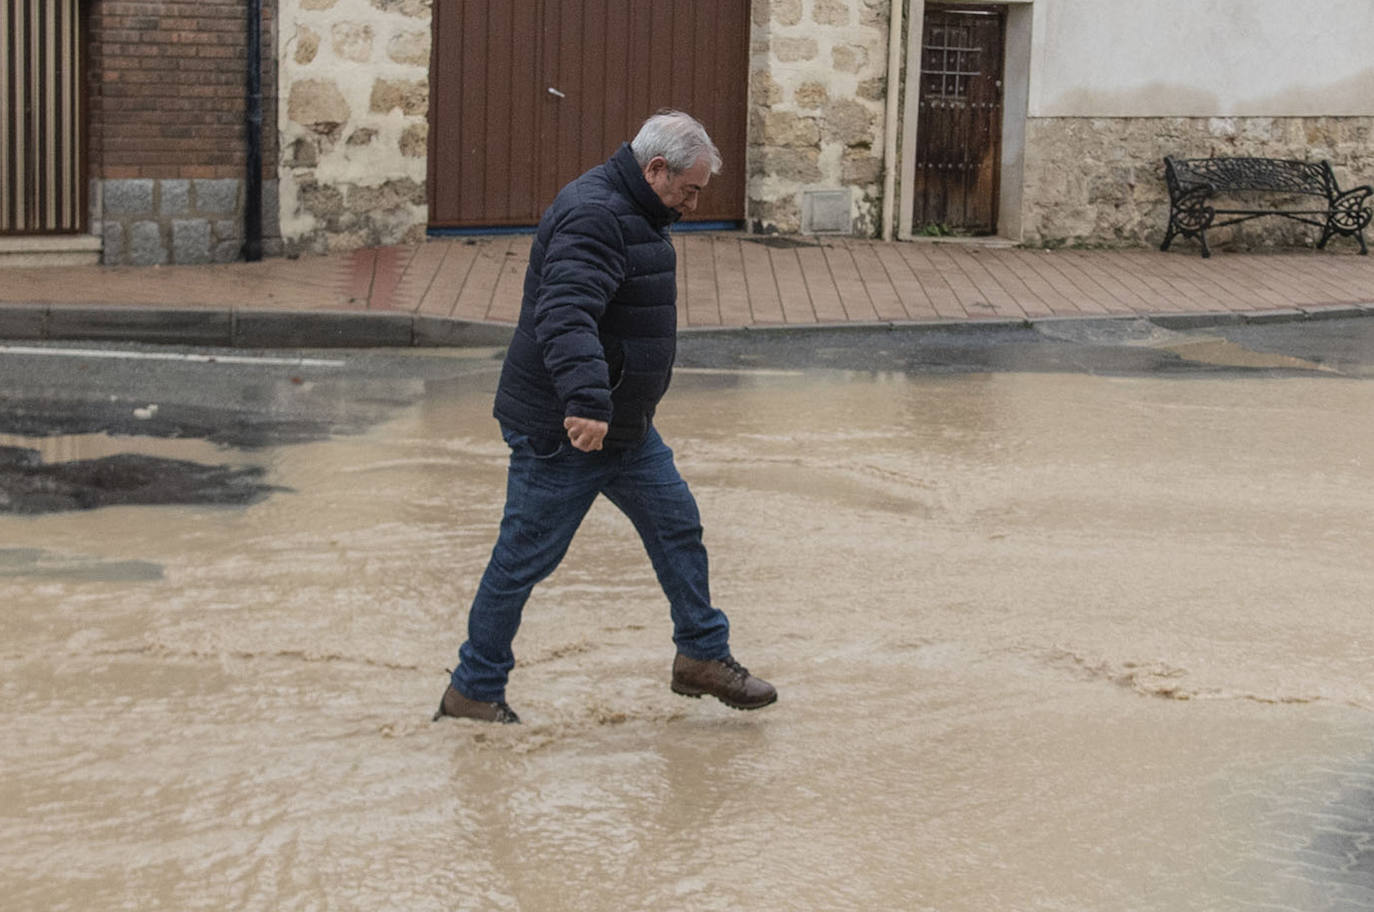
(1041, 121)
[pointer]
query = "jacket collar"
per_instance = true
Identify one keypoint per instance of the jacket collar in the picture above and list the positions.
(630, 176)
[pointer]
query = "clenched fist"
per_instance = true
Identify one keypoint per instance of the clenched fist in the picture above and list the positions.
(585, 433)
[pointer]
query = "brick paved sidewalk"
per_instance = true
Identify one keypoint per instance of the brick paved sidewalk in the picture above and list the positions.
(730, 280)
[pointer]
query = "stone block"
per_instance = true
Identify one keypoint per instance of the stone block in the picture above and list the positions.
(112, 233)
(307, 44)
(1333, 311)
(1277, 315)
(190, 241)
(226, 230)
(361, 137)
(186, 326)
(217, 197)
(19, 320)
(321, 329)
(783, 128)
(764, 89)
(849, 122)
(794, 50)
(304, 152)
(317, 104)
(128, 197)
(352, 41)
(848, 58)
(858, 167)
(778, 12)
(800, 165)
(414, 9)
(1183, 321)
(830, 12)
(409, 47)
(271, 209)
(875, 13)
(414, 141)
(874, 89)
(146, 247)
(387, 196)
(410, 96)
(447, 332)
(779, 215)
(810, 95)
(174, 197)
(230, 251)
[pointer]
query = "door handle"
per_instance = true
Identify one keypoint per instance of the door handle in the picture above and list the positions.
(557, 94)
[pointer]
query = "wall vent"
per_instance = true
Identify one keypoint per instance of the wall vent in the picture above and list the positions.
(826, 212)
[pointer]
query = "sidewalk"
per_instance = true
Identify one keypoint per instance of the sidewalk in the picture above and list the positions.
(456, 291)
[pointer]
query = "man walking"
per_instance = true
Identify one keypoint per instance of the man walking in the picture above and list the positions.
(591, 357)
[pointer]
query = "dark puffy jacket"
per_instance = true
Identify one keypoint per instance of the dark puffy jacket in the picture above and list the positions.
(598, 322)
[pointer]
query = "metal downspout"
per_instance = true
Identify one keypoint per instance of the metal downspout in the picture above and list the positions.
(890, 164)
(252, 186)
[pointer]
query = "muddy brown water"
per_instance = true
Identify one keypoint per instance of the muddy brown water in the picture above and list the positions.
(1043, 642)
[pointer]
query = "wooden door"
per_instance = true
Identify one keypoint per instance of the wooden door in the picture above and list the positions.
(528, 94)
(959, 125)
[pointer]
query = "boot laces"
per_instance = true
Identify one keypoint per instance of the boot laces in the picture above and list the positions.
(738, 669)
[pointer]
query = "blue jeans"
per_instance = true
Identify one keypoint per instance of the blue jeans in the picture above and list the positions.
(549, 489)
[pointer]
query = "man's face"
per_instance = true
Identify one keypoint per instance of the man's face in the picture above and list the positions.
(678, 191)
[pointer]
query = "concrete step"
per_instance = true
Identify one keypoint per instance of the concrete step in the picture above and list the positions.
(50, 250)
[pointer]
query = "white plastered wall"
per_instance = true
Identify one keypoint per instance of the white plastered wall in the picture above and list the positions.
(1202, 58)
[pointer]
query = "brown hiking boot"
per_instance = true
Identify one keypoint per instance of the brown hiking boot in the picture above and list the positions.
(725, 679)
(460, 707)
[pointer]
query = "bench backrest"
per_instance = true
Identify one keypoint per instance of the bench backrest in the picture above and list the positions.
(1226, 174)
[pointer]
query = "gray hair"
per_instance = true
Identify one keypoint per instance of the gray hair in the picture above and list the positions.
(678, 138)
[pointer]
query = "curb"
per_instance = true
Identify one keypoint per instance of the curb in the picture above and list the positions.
(44, 321)
(39, 321)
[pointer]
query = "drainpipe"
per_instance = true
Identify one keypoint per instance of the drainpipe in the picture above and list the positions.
(252, 187)
(894, 70)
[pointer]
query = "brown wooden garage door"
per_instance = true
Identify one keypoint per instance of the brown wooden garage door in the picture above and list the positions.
(528, 94)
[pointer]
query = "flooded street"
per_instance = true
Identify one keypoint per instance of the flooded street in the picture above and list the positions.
(1058, 639)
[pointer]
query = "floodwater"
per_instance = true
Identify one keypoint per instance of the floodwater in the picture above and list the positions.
(1043, 641)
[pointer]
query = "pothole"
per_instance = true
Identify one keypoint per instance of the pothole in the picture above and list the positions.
(29, 485)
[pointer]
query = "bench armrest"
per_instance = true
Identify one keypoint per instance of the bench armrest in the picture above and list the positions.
(1189, 210)
(1360, 192)
(1348, 211)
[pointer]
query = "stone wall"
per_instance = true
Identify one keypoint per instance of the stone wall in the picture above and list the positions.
(355, 100)
(354, 122)
(179, 221)
(818, 82)
(1091, 181)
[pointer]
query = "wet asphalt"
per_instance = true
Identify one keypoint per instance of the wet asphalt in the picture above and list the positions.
(245, 399)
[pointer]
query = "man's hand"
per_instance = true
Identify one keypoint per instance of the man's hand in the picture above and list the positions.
(585, 433)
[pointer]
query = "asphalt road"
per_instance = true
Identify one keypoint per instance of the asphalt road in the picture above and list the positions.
(247, 399)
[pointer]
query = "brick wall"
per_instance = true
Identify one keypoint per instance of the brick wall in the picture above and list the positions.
(166, 88)
(166, 93)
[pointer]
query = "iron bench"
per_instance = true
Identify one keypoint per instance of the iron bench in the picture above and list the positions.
(1196, 183)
